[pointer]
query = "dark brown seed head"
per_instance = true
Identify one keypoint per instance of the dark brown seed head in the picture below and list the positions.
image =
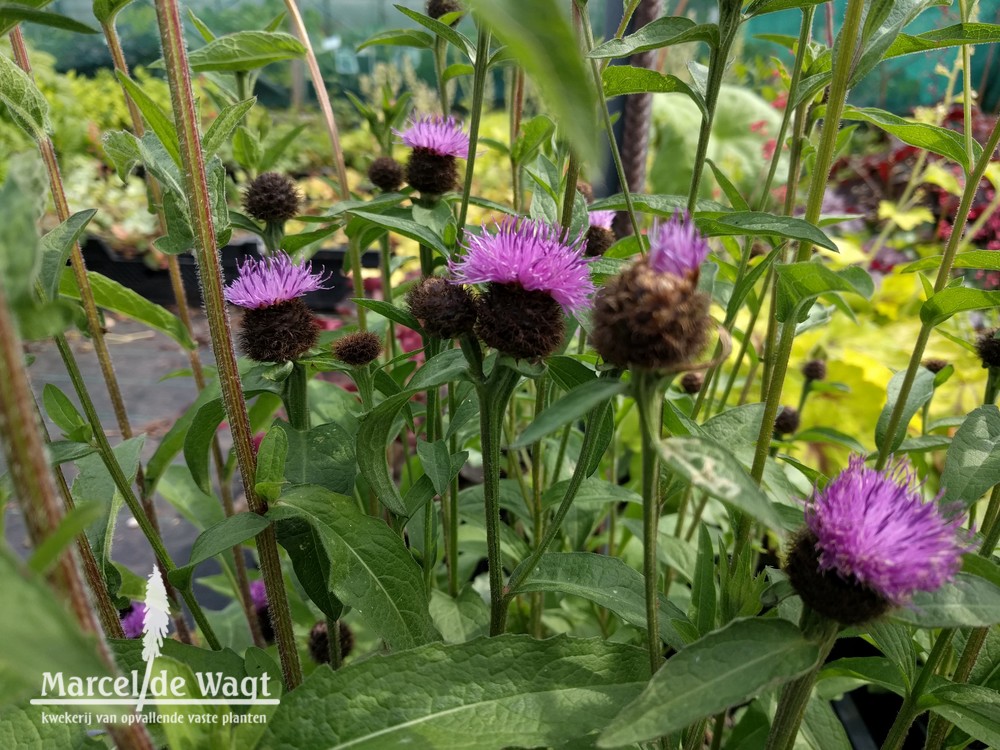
(650, 320)
(438, 8)
(787, 421)
(988, 347)
(357, 349)
(430, 172)
(319, 642)
(599, 240)
(278, 333)
(386, 174)
(692, 382)
(521, 323)
(264, 620)
(586, 190)
(935, 365)
(444, 309)
(272, 197)
(842, 599)
(814, 369)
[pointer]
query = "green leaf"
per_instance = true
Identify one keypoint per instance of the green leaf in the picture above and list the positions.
(370, 567)
(443, 30)
(243, 51)
(390, 311)
(206, 33)
(736, 200)
(246, 148)
(988, 260)
(920, 393)
(222, 537)
(271, 458)
(758, 224)
(972, 708)
(760, 7)
(951, 36)
(703, 597)
(70, 526)
(723, 669)
(177, 487)
(13, 14)
(106, 10)
(440, 465)
(972, 464)
(968, 601)
(274, 150)
(113, 296)
(875, 670)
(65, 415)
(657, 204)
(553, 692)
(460, 619)
(947, 302)
(534, 133)
(311, 563)
(540, 36)
(622, 80)
(56, 247)
(23, 197)
(399, 38)
(28, 108)
(662, 32)
(322, 456)
(224, 125)
(406, 227)
(714, 470)
(376, 431)
(947, 143)
(606, 581)
(47, 637)
(158, 120)
(576, 404)
(799, 283)
(747, 283)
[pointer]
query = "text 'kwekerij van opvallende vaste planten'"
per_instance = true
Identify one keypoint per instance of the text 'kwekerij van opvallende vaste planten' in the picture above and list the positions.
(496, 374)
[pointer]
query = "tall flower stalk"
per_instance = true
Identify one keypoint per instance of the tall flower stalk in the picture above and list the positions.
(210, 272)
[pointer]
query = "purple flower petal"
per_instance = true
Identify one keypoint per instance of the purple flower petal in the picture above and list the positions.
(132, 622)
(676, 246)
(603, 219)
(875, 526)
(435, 133)
(529, 253)
(258, 594)
(272, 280)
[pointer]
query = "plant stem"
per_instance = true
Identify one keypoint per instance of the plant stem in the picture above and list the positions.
(333, 643)
(26, 457)
(602, 100)
(354, 248)
(645, 391)
(494, 395)
(569, 197)
(795, 695)
(909, 711)
(210, 272)
(440, 63)
(322, 97)
(944, 275)
(478, 94)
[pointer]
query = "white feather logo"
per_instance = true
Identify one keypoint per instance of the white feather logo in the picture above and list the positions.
(155, 623)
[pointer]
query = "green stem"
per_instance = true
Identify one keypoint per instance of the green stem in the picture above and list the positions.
(385, 265)
(354, 249)
(605, 113)
(440, 62)
(943, 277)
(909, 710)
(494, 395)
(210, 272)
(297, 397)
(645, 392)
(333, 644)
(795, 695)
(478, 94)
(569, 196)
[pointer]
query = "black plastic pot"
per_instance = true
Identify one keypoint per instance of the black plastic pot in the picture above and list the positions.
(154, 284)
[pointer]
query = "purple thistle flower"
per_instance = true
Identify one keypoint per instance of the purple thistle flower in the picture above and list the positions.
(875, 526)
(133, 620)
(529, 253)
(676, 246)
(272, 280)
(258, 594)
(438, 135)
(602, 219)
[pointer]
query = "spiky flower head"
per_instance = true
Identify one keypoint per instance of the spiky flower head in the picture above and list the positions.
(988, 346)
(258, 598)
(787, 421)
(935, 365)
(258, 594)
(436, 134)
(438, 8)
(692, 382)
(386, 174)
(871, 538)
(319, 642)
(263, 282)
(272, 197)
(532, 255)
(358, 349)
(676, 246)
(277, 325)
(444, 310)
(603, 219)
(814, 369)
(132, 618)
